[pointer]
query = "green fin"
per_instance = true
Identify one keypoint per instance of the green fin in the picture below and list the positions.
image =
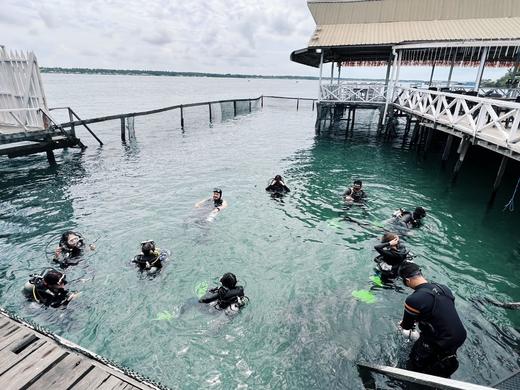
(201, 288)
(376, 280)
(164, 315)
(364, 296)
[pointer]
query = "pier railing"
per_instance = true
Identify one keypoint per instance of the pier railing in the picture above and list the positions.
(490, 119)
(24, 118)
(354, 92)
(491, 92)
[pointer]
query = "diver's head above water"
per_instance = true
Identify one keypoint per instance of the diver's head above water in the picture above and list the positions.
(419, 213)
(391, 238)
(71, 240)
(54, 279)
(228, 280)
(217, 194)
(358, 185)
(147, 247)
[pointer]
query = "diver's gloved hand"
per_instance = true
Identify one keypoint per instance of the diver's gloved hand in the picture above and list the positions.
(409, 334)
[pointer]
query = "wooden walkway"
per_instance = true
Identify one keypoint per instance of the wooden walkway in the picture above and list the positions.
(31, 360)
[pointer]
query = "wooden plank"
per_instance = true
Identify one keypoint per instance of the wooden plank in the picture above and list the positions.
(113, 383)
(32, 367)
(18, 335)
(9, 359)
(64, 374)
(92, 380)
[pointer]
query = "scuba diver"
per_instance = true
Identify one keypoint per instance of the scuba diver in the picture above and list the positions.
(218, 202)
(355, 193)
(391, 255)
(150, 259)
(432, 306)
(410, 218)
(69, 250)
(228, 296)
(48, 289)
(277, 186)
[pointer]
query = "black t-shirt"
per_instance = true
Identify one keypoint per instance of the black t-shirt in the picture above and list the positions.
(356, 195)
(433, 307)
(390, 255)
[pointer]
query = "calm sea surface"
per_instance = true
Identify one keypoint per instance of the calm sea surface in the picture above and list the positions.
(298, 259)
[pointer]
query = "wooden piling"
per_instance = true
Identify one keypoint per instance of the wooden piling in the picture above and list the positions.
(353, 119)
(123, 129)
(234, 108)
(250, 106)
(72, 127)
(313, 105)
(262, 101)
(462, 150)
(209, 109)
(500, 174)
(297, 104)
(429, 137)
(51, 158)
(447, 149)
(182, 117)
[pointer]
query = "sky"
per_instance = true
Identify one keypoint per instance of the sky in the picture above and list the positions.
(215, 36)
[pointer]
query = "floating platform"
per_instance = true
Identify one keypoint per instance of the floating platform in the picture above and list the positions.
(31, 360)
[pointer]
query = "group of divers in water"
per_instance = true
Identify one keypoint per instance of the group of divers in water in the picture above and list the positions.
(431, 306)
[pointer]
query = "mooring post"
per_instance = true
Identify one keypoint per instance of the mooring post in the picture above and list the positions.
(123, 128)
(353, 119)
(234, 108)
(297, 104)
(429, 137)
(500, 174)
(72, 127)
(250, 106)
(462, 150)
(209, 108)
(447, 149)
(262, 101)
(50, 157)
(182, 117)
(313, 105)
(415, 133)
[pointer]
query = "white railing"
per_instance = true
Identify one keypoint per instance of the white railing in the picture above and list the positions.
(492, 92)
(21, 90)
(489, 119)
(354, 92)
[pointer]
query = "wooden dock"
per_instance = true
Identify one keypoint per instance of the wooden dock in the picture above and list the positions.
(31, 360)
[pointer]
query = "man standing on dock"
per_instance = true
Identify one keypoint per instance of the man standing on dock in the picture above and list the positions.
(432, 306)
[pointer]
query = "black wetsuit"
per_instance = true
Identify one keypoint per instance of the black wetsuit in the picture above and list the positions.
(442, 333)
(408, 219)
(37, 291)
(69, 256)
(357, 196)
(217, 203)
(154, 259)
(392, 257)
(277, 187)
(225, 297)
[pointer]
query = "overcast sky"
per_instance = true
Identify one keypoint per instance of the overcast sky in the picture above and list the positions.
(221, 36)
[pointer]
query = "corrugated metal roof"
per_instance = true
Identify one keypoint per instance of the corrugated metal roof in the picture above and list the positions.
(377, 11)
(391, 33)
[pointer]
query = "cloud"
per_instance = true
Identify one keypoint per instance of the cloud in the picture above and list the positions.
(159, 38)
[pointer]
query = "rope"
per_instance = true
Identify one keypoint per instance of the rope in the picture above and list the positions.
(511, 204)
(76, 348)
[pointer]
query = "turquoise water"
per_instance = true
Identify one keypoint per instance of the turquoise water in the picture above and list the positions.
(298, 260)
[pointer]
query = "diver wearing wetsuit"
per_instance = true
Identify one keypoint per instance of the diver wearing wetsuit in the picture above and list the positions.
(218, 202)
(391, 255)
(432, 306)
(355, 193)
(277, 185)
(227, 296)
(70, 249)
(48, 289)
(411, 219)
(150, 258)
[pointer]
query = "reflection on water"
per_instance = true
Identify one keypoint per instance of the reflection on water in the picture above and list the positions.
(299, 258)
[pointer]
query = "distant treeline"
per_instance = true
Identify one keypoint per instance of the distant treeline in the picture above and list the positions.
(132, 72)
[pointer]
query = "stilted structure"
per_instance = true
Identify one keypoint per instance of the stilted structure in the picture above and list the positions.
(26, 125)
(397, 33)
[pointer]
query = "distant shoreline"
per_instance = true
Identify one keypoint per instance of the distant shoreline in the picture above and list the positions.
(129, 72)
